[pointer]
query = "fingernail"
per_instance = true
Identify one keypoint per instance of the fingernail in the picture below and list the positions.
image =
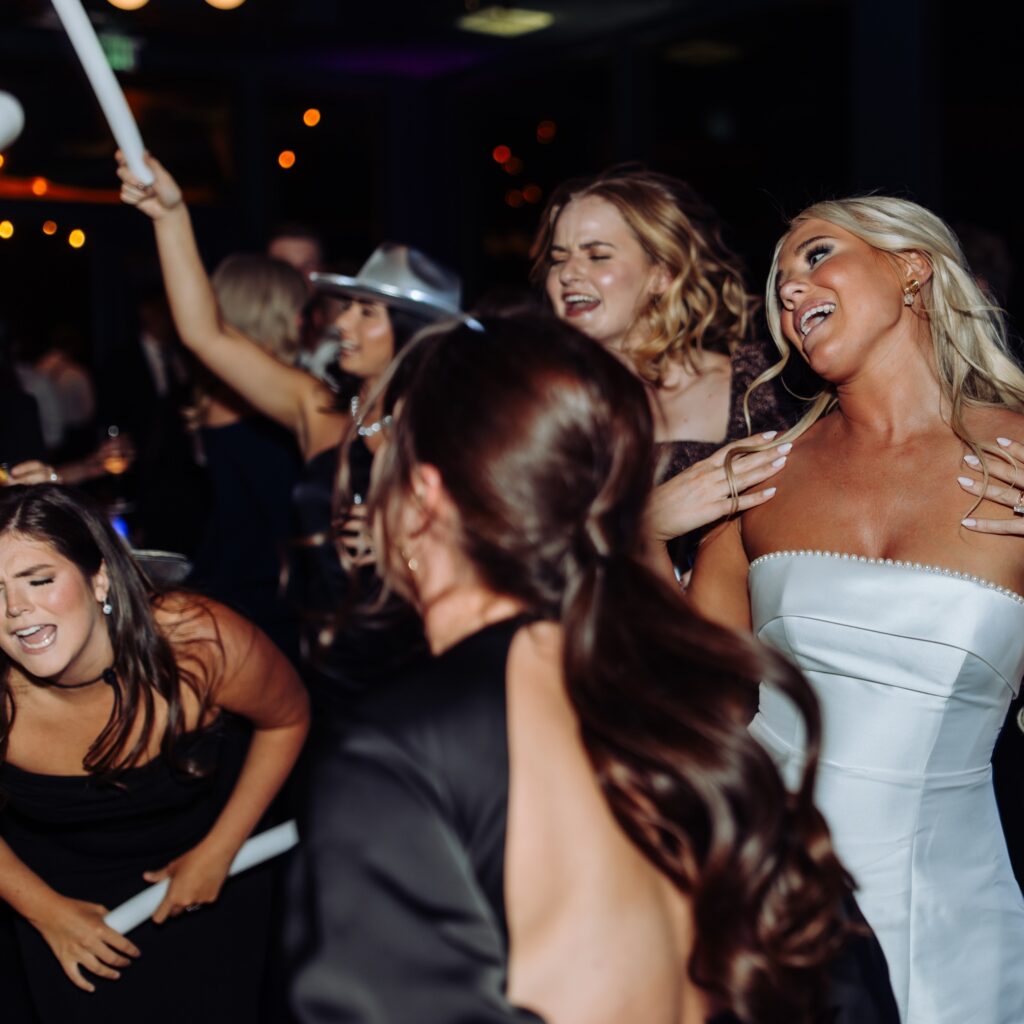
(965, 481)
(769, 492)
(969, 522)
(769, 434)
(785, 449)
(972, 460)
(779, 463)
(1005, 442)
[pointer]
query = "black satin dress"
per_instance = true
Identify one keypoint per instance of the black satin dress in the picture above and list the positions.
(92, 841)
(397, 912)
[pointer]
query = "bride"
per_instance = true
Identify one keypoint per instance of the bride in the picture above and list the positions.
(882, 567)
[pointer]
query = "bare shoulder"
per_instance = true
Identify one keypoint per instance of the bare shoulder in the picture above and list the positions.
(535, 678)
(183, 618)
(205, 634)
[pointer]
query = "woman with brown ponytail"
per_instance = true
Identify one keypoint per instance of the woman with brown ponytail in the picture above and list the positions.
(564, 811)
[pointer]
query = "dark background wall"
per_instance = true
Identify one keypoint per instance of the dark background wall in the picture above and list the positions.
(763, 106)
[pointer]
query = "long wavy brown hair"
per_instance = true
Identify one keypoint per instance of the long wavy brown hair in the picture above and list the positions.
(145, 663)
(706, 305)
(544, 442)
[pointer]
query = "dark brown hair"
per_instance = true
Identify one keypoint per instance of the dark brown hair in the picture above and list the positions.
(544, 443)
(144, 661)
(706, 305)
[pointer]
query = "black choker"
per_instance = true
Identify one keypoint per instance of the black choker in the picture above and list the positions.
(107, 675)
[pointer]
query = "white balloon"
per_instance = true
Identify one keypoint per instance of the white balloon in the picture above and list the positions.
(12, 119)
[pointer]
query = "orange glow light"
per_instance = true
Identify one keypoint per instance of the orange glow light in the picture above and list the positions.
(225, 5)
(49, 227)
(311, 118)
(501, 154)
(546, 131)
(1, 159)
(513, 165)
(286, 159)
(127, 5)
(76, 239)
(532, 193)
(514, 197)
(40, 186)
(6, 229)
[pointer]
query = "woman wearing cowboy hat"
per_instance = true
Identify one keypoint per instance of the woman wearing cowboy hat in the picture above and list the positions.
(396, 292)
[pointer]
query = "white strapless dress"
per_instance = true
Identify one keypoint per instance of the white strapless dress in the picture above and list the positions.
(914, 668)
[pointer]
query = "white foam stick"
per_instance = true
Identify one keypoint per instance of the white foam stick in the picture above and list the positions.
(104, 84)
(256, 850)
(12, 119)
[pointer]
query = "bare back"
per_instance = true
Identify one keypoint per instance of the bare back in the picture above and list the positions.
(597, 934)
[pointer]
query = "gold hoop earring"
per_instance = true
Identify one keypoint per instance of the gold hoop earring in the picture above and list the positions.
(910, 291)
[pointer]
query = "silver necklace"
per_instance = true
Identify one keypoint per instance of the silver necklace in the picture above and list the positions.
(370, 429)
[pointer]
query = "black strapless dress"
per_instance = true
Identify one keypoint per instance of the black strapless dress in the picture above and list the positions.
(396, 900)
(92, 841)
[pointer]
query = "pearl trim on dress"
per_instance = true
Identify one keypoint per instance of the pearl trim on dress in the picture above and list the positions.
(897, 564)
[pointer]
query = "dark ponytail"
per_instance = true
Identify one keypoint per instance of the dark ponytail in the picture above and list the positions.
(545, 445)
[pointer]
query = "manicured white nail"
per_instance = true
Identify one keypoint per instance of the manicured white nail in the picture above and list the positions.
(1004, 441)
(972, 460)
(969, 522)
(779, 463)
(965, 481)
(768, 435)
(769, 492)
(785, 449)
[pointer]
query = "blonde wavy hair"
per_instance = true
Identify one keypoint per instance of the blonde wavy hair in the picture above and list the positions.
(262, 297)
(706, 305)
(969, 340)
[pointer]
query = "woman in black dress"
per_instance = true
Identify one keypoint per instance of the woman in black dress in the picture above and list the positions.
(125, 759)
(563, 811)
(397, 291)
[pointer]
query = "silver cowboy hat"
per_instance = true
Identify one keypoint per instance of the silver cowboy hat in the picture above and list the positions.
(402, 277)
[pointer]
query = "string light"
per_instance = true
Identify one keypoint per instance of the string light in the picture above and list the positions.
(49, 227)
(6, 229)
(127, 5)
(513, 165)
(546, 131)
(76, 239)
(286, 159)
(311, 118)
(532, 193)
(40, 186)
(514, 198)
(500, 154)
(225, 5)
(1, 159)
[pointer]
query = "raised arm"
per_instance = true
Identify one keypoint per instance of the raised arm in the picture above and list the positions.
(295, 399)
(254, 680)
(718, 586)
